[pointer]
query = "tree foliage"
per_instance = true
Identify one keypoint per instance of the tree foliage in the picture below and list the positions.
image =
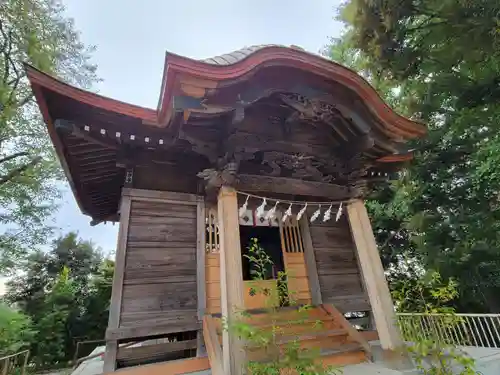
(263, 343)
(439, 62)
(65, 292)
(53, 323)
(36, 32)
(15, 331)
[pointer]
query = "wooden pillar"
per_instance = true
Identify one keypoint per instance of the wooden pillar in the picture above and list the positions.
(310, 259)
(117, 289)
(374, 277)
(231, 277)
(200, 270)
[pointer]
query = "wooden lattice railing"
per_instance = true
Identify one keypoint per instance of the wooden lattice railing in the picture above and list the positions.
(14, 363)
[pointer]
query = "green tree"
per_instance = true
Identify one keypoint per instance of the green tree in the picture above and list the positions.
(40, 272)
(36, 32)
(94, 320)
(437, 61)
(53, 324)
(16, 331)
(70, 284)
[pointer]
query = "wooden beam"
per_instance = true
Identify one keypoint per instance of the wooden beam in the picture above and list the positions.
(112, 217)
(310, 259)
(231, 277)
(373, 274)
(292, 186)
(158, 157)
(213, 347)
(70, 128)
(110, 354)
(200, 269)
(153, 352)
(356, 336)
(258, 142)
(200, 256)
(136, 332)
(357, 302)
(117, 289)
(352, 148)
(99, 155)
(164, 196)
(178, 367)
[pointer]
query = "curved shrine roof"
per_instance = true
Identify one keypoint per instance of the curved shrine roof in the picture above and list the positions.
(204, 91)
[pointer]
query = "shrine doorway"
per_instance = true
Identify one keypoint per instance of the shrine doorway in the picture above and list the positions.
(263, 292)
(282, 241)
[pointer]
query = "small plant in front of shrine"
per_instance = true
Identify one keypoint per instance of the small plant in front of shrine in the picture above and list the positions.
(267, 354)
(431, 344)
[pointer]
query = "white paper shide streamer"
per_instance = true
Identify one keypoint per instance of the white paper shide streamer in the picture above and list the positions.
(316, 214)
(288, 213)
(243, 208)
(272, 211)
(328, 213)
(260, 210)
(301, 212)
(339, 212)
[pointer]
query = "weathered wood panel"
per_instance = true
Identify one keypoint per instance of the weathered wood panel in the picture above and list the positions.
(118, 282)
(182, 366)
(294, 259)
(212, 277)
(157, 352)
(338, 271)
(165, 177)
(159, 286)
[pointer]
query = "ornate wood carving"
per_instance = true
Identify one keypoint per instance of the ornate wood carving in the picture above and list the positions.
(256, 142)
(310, 109)
(215, 179)
(292, 186)
(316, 169)
(302, 166)
(207, 149)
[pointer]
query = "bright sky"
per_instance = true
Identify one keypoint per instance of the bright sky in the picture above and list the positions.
(132, 36)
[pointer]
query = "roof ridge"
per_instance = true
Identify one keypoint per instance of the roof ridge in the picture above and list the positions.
(236, 56)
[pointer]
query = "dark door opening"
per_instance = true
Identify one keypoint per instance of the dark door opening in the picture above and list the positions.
(269, 239)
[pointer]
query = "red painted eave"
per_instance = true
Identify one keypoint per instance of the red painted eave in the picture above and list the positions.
(397, 158)
(291, 57)
(42, 80)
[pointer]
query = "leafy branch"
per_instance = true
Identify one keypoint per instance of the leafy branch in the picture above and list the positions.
(268, 354)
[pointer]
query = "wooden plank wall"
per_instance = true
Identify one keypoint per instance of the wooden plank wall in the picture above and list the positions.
(212, 275)
(293, 257)
(338, 271)
(159, 286)
(212, 262)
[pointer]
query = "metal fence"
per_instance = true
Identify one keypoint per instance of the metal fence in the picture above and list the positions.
(481, 330)
(14, 363)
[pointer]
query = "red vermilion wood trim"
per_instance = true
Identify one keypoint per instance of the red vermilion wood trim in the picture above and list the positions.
(283, 56)
(56, 141)
(242, 70)
(396, 158)
(40, 79)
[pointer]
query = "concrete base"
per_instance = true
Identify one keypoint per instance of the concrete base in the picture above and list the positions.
(487, 363)
(392, 359)
(372, 369)
(387, 363)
